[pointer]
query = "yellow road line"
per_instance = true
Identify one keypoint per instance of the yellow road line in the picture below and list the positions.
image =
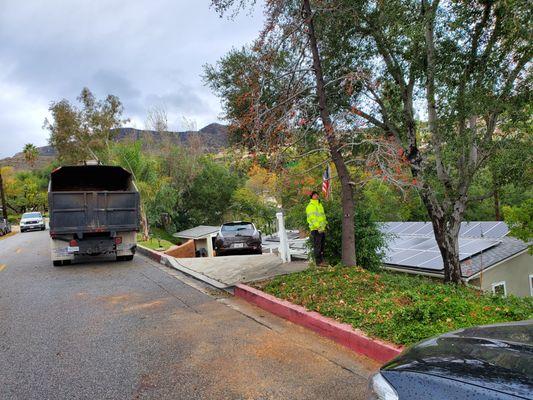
(2, 267)
(18, 251)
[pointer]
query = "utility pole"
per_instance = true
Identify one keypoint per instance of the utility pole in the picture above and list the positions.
(3, 197)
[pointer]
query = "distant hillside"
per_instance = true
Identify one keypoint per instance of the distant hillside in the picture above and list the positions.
(47, 154)
(213, 138)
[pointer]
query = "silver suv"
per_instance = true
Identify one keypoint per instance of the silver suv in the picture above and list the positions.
(32, 220)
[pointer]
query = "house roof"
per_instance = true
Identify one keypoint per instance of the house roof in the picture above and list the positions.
(198, 232)
(412, 246)
(508, 247)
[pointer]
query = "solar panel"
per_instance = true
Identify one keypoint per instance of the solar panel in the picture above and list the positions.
(426, 244)
(467, 227)
(394, 242)
(499, 230)
(477, 246)
(400, 228)
(465, 241)
(408, 242)
(434, 264)
(387, 226)
(489, 229)
(412, 228)
(398, 257)
(425, 229)
(418, 259)
(414, 245)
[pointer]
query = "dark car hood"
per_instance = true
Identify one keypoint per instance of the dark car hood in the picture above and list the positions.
(499, 357)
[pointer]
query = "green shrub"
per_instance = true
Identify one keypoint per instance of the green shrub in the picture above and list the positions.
(397, 307)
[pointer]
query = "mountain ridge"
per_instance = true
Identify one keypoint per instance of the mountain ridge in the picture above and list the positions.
(212, 137)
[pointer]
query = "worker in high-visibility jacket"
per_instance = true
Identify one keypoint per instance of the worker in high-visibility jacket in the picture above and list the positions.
(316, 218)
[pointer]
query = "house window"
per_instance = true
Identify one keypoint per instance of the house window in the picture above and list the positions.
(531, 285)
(499, 288)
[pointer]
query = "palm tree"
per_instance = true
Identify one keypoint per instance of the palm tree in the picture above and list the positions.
(30, 153)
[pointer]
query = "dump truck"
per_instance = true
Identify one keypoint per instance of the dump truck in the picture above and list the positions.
(94, 210)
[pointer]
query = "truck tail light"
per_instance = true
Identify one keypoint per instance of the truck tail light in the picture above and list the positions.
(73, 243)
(118, 240)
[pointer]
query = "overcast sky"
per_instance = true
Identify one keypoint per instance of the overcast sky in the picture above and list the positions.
(149, 53)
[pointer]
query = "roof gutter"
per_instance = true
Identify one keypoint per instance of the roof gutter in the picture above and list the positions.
(410, 271)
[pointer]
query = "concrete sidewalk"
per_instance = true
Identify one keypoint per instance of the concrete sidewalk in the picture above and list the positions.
(227, 271)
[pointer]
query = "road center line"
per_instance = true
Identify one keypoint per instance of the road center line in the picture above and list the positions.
(2, 267)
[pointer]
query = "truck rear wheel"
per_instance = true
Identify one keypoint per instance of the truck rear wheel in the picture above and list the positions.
(125, 258)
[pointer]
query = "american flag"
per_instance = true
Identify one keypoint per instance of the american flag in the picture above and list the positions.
(326, 182)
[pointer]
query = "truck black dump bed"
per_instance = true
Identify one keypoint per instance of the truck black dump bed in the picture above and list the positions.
(92, 198)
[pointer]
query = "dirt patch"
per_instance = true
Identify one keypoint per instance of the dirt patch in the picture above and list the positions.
(145, 306)
(130, 302)
(116, 299)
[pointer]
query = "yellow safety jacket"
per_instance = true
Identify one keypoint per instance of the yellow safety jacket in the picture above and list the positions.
(316, 218)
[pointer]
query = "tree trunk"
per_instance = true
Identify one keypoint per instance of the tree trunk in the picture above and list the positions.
(497, 213)
(144, 225)
(347, 198)
(447, 236)
(3, 197)
(446, 231)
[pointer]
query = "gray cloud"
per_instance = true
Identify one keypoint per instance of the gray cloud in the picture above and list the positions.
(147, 53)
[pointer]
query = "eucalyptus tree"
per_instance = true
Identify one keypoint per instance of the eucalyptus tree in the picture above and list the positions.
(86, 132)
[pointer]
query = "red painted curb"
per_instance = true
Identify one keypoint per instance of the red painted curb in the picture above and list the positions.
(341, 333)
(154, 255)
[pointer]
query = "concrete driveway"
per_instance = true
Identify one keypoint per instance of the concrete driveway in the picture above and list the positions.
(227, 271)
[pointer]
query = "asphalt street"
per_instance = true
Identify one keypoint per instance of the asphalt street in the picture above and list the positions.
(138, 330)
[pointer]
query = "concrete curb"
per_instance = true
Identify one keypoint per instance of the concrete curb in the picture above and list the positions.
(152, 254)
(341, 333)
(172, 262)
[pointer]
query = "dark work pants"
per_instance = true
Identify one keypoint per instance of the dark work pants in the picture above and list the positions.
(318, 239)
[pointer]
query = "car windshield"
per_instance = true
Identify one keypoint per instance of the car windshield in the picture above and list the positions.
(32, 215)
(237, 227)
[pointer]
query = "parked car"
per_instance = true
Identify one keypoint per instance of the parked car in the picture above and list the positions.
(32, 220)
(5, 227)
(484, 362)
(238, 237)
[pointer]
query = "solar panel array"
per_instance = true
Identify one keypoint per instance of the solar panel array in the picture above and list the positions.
(413, 244)
(476, 229)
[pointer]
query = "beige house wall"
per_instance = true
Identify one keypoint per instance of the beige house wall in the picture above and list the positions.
(515, 272)
(205, 243)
